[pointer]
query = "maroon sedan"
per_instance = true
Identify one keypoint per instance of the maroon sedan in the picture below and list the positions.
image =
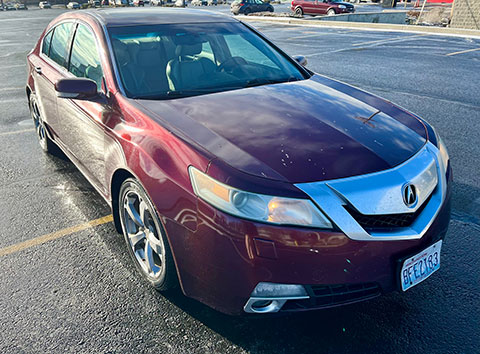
(234, 172)
(321, 7)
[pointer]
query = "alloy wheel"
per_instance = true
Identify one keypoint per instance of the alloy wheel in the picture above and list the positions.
(39, 124)
(143, 234)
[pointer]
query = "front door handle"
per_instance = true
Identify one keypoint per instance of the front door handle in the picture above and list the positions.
(38, 70)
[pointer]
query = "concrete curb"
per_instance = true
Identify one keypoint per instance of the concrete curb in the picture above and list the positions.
(441, 31)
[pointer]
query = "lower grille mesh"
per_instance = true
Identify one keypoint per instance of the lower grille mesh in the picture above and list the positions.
(322, 296)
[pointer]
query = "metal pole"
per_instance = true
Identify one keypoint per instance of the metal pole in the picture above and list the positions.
(421, 11)
(451, 13)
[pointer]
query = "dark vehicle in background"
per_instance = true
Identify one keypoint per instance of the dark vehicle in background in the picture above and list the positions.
(94, 3)
(9, 6)
(234, 173)
(44, 5)
(321, 7)
(138, 3)
(20, 6)
(246, 7)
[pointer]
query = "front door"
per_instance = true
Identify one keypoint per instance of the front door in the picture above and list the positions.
(82, 121)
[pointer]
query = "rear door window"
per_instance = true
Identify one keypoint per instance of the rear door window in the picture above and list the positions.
(59, 44)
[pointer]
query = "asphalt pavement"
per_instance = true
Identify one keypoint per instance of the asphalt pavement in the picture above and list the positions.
(80, 293)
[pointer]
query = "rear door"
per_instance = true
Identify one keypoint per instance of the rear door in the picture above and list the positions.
(309, 6)
(82, 127)
(49, 67)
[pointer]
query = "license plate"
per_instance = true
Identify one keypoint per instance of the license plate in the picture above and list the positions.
(419, 267)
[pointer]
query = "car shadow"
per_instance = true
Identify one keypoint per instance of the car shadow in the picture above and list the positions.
(379, 325)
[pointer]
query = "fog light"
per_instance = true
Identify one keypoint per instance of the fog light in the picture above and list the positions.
(278, 290)
(270, 297)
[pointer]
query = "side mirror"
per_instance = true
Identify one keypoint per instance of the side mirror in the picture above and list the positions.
(302, 60)
(79, 88)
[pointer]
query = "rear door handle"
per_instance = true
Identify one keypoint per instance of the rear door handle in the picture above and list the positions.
(38, 70)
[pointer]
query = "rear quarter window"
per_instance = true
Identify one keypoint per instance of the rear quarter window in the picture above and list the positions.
(46, 43)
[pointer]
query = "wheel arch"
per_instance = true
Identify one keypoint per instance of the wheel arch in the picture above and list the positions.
(118, 177)
(332, 8)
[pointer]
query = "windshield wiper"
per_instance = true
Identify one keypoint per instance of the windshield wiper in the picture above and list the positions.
(172, 94)
(263, 81)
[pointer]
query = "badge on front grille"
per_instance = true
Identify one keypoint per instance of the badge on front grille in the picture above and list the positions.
(410, 197)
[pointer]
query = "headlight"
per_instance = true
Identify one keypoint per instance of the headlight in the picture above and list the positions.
(258, 207)
(342, 7)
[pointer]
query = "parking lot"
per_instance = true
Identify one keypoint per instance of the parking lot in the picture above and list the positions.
(79, 292)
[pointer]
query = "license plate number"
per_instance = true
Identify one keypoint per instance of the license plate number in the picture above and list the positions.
(419, 267)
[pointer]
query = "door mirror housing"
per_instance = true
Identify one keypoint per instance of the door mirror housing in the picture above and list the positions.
(77, 88)
(301, 59)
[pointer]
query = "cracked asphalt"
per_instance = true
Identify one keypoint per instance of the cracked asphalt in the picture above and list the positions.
(80, 293)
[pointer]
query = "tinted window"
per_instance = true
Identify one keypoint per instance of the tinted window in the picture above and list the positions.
(59, 43)
(239, 47)
(46, 43)
(171, 61)
(84, 60)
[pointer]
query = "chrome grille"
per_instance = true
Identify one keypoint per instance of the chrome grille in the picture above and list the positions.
(385, 221)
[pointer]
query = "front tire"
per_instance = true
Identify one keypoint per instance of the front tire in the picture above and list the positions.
(145, 236)
(331, 12)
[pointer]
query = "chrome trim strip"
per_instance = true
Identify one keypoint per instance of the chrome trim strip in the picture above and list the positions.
(381, 193)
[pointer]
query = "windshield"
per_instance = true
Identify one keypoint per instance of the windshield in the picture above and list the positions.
(179, 60)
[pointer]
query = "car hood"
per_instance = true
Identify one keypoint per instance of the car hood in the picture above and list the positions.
(301, 131)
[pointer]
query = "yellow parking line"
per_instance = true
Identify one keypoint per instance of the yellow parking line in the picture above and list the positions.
(18, 131)
(463, 51)
(53, 236)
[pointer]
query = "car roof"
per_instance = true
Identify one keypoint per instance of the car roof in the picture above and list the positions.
(155, 16)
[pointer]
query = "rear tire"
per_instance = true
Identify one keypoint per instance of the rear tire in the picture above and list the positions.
(299, 11)
(247, 12)
(145, 236)
(40, 127)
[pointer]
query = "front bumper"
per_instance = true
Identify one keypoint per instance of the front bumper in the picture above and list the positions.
(347, 10)
(221, 263)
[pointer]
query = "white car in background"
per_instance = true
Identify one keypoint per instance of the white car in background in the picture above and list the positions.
(44, 5)
(73, 5)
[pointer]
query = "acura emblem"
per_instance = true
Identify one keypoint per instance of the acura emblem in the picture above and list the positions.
(410, 195)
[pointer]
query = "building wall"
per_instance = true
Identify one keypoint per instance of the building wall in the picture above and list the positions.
(466, 14)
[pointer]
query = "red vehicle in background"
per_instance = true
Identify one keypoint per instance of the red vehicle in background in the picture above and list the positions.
(321, 7)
